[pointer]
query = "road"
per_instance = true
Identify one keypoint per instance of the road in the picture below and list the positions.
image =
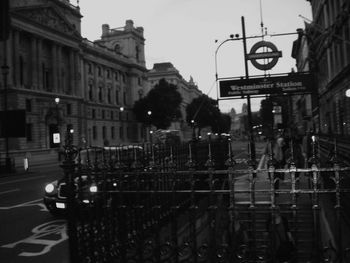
(29, 233)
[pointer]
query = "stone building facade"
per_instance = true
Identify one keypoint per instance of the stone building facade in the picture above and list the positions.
(328, 38)
(188, 90)
(96, 82)
(303, 117)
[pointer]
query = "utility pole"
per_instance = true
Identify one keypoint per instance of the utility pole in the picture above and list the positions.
(251, 135)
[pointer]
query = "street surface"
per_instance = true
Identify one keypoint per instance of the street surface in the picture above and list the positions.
(29, 233)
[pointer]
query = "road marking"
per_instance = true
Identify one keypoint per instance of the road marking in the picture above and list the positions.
(26, 204)
(10, 191)
(23, 180)
(42, 235)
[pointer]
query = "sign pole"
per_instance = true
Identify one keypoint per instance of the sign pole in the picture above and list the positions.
(251, 135)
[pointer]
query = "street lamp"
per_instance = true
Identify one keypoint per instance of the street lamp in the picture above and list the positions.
(347, 93)
(149, 113)
(57, 101)
(193, 130)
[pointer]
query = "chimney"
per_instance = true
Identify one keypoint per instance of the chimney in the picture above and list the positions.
(105, 29)
(129, 25)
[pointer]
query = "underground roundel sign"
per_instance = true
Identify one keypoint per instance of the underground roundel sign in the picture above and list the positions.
(270, 54)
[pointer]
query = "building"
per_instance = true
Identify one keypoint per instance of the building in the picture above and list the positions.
(187, 89)
(303, 118)
(328, 38)
(65, 82)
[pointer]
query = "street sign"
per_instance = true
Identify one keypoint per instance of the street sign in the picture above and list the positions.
(296, 83)
(274, 54)
(264, 55)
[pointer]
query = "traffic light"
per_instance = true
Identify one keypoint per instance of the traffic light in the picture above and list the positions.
(4, 19)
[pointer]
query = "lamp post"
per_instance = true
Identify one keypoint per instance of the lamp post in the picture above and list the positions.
(57, 101)
(249, 115)
(149, 113)
(193, 124)
(121, 129)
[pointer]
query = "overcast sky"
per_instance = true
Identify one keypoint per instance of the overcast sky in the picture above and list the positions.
(183, 32)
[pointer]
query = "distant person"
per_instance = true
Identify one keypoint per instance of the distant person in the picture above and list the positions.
(283, 242)
(297, 155)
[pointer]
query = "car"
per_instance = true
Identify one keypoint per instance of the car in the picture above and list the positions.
(56, 194)
(85, 186)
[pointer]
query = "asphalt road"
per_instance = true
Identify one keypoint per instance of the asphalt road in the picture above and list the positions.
(28, 232)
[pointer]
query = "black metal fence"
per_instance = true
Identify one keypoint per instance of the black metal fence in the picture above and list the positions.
(183, 203)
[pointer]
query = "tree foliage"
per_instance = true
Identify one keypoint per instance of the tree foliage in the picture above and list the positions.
(205, 113)
(163, 101)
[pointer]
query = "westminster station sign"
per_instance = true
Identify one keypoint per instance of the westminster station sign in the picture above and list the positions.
(290, 84)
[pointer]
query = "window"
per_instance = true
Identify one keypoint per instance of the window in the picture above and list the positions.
(103, 114)
(123, 78)
(117, 48)
(69, 109)
(108, 74)
(117, 96)
(94, 132)
(90, 92)
(116, 76)
(121, 132)
(104, 132)
(109, 95)
(112, 116)
(28, 105)
(100, 93)
(21, 71)
(137, 51)
(99, 71)
(29, 132)
(124, 97)
(93, 113)
(89, 68)
(112, 132)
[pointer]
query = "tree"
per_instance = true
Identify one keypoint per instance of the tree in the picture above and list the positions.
(163, 102)
(222, 124)
(205, 113)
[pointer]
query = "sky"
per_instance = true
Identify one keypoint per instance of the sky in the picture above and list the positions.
(187, 33)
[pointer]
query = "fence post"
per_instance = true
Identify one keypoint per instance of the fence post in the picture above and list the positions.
(68, 167)
(315, 203)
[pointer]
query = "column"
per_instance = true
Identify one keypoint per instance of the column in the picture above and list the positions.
(16, 54)
(71, 72)
(39, 65)
(54, 67)
(34, 60)
(9, 49)
(60, 80)
(76, 87)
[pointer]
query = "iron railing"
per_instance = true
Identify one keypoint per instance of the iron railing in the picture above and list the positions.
(180, 203)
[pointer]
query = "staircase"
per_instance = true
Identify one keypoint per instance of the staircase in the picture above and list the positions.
(300, 224)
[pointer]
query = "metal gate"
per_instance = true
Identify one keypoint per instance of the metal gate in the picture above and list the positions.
(180, 203)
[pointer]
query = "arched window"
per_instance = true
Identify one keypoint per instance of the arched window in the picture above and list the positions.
(117, 48)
